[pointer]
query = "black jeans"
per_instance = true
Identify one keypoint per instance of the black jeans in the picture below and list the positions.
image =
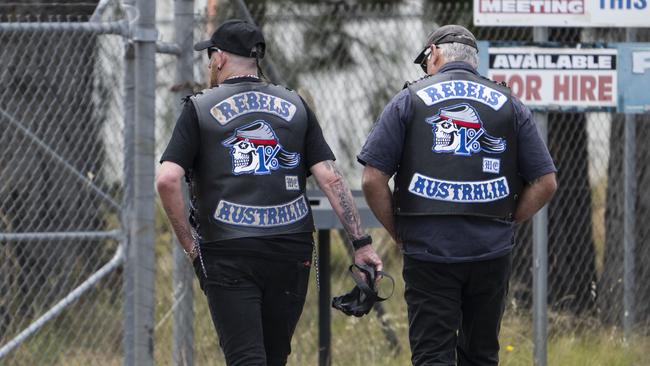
(455, 310)
(255, 305)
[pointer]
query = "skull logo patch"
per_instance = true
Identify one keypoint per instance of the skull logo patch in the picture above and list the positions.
(255, 149)
(458, 129)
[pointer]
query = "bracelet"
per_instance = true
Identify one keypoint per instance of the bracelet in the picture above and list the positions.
(193, 253)
(362, 242)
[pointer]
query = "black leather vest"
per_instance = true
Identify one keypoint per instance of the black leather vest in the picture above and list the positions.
(250, 175)
(460, 150)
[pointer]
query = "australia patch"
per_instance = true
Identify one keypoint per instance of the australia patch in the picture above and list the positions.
(262, 216)
(460, 192)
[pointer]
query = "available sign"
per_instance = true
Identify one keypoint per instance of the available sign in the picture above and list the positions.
(564, 77)
(562, 13)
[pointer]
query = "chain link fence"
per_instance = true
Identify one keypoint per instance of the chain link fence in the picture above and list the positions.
(61, 148)
(63, 184)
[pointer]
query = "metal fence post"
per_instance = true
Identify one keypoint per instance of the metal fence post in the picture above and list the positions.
(540, 250)
(127, 200)
(141, 251)
(629, 200)
(324, 295)
(183, 313)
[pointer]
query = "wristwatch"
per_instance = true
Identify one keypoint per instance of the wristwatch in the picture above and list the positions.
(362, 242)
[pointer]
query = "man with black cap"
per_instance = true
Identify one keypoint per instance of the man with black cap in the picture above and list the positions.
(246, 148)
(469, 165)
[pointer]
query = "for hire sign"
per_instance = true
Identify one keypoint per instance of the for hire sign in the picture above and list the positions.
(563, 77)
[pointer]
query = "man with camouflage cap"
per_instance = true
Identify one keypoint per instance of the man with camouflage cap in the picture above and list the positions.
(469, 165)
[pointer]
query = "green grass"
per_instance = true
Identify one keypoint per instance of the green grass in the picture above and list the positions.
(595, 347)
(90, 331)
(361, 341)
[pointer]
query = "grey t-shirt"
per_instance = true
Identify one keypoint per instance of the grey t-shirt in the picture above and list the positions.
(448, 239)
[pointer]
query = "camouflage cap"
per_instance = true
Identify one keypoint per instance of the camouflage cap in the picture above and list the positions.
(451, 33)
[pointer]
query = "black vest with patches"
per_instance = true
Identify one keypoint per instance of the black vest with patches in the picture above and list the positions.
(460, 149)
(250, 175)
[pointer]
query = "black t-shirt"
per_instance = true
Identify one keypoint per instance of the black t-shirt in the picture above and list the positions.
(183, 149)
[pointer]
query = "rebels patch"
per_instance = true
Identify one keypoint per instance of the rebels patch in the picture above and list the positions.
(462, 89)
(255, 149)
(249, 102)
(262, 216)
(458, 129)
(459, 192)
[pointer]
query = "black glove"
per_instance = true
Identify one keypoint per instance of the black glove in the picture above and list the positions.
(364, 295)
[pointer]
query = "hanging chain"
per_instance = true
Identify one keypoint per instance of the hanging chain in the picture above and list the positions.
(316, 265)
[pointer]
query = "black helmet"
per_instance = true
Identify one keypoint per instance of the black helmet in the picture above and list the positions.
(364, 295)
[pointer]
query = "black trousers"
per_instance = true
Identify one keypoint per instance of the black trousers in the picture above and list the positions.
(455, 310)
(255, 305)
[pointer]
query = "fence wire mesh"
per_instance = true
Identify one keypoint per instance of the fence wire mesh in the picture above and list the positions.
(62, 151)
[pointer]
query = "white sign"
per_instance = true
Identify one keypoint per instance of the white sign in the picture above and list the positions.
(633, 77)
(562, 13)
(557, 76)
(640, 62)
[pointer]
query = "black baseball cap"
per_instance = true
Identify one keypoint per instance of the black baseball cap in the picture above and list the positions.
(448, 34)
(238, 37)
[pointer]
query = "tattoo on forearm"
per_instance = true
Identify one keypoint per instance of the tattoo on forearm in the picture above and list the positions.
(180, 228)
(350, 217)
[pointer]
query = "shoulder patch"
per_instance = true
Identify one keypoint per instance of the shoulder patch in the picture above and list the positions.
(462, 89)
(249, 102)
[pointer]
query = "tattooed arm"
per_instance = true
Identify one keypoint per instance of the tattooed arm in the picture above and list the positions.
(169, 188)
(331, 182)
(534, 196)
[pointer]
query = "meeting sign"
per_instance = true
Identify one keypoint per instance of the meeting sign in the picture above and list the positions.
(562, 13)
(577, 78)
